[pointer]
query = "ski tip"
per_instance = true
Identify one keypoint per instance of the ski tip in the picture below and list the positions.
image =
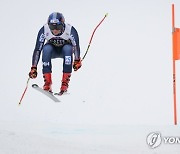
(34, 85)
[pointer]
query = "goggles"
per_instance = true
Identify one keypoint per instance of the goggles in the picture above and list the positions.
(53, 26)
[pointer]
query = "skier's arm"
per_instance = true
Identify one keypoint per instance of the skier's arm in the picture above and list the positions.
(77, 59)
(74, 33)
(38, 47)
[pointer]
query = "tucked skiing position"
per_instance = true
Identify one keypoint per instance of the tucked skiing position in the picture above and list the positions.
(62, 41)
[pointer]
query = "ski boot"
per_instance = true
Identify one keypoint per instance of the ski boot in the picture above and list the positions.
(47, 82)
(65, 83)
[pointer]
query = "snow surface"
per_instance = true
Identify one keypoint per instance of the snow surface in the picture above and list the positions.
(122, 93)
(52, 138)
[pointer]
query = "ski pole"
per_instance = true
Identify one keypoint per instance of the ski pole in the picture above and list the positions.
(92, 36)
(24, 91)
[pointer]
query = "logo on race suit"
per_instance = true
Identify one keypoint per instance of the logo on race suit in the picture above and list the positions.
(46, 64)
(73, 40)
(41, 38)
(68, 60)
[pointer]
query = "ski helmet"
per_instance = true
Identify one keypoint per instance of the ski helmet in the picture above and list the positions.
(56, 21)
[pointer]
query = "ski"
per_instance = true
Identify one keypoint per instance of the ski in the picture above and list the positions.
(48, 94)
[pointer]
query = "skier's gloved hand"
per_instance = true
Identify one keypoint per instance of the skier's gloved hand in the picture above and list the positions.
(33, 72)
(77, 64)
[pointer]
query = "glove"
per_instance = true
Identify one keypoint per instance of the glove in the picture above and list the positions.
(77, 64)
(33, 72)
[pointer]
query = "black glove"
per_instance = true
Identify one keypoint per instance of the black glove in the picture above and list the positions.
(33, 72)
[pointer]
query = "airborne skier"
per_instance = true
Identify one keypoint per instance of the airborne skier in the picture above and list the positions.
(62, 41)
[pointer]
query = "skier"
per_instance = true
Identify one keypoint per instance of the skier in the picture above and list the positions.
(62, 41)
